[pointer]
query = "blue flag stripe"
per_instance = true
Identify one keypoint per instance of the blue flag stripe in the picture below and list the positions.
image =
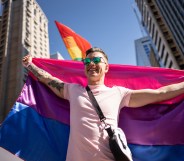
(33, 137)
(36, 138)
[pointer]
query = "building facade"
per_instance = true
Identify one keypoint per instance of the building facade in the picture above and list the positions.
(155, 20)
(173, 13)
(145, 53)
(24, 29)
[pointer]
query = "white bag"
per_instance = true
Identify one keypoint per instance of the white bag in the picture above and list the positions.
(118, 145)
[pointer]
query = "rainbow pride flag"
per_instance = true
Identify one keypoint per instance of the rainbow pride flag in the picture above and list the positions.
(37, 128)
(75, 44)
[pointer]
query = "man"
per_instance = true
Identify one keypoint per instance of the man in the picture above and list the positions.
(88, 141)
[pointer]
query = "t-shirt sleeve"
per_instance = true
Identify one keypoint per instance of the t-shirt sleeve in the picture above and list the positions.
(70, 89)
(125, 94)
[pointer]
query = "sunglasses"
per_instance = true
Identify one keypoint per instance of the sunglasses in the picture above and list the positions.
(95, 60)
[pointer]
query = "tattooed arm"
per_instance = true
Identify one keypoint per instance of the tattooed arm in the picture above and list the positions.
(55, 84)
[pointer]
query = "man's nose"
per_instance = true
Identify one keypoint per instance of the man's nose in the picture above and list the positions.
(92, 63)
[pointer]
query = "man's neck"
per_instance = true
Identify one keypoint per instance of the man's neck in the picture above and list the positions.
(95, 82)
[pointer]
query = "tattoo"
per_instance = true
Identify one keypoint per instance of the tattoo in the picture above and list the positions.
(44, 77)
(55, 84)
(39, 73)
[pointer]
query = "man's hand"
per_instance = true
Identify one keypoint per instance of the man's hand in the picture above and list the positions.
(27, 60)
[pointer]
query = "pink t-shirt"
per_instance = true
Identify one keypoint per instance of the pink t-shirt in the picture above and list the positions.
(88, 141)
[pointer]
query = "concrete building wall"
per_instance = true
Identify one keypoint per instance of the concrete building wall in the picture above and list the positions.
(24, 30)
(158, 29)
(145, 54)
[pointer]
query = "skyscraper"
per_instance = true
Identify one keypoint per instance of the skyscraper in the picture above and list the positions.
(164, 23)
(173, 13)
(24, 29)
(57, 56)
(145, 53)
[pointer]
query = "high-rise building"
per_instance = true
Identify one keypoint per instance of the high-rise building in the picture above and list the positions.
(145, 53)
(24, 29)
(57, 56)
(163, 20)
(173, 13)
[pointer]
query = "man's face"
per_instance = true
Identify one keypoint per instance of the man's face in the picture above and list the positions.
(96, 70)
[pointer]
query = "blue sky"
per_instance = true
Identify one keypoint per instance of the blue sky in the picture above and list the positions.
(110, 25)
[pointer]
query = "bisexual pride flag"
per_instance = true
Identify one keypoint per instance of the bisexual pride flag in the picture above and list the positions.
(37, 128)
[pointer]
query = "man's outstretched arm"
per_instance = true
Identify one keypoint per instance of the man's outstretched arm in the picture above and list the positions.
(147, 96)
(55, 84)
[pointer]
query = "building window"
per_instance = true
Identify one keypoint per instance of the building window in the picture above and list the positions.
(170, 41)
(28, 3)
(162, 53)
(3, 36)
(156, 36)
(170, 64)
(159, 20)
(4, 25)
(28, 14)
(150, 24)
(27, 34)
(147, 18)
(153, 30)
(149, 1)
(35, 12)
(155, 13)
(174, 50)
(166, 34)
(166, 58)
(146, 49)
(159, 44)
(5, 5)
(1, 48)
(2, 41)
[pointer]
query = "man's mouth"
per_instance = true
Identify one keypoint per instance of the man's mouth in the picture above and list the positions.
(92, 70)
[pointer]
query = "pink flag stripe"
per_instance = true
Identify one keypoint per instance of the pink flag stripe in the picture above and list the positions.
(132, 77)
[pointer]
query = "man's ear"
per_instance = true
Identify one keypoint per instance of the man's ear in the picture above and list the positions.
(107, 68)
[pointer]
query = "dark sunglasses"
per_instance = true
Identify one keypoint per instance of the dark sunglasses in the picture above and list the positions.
(95, 60)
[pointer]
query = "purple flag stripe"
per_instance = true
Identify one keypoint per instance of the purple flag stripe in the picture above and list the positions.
(151, 125)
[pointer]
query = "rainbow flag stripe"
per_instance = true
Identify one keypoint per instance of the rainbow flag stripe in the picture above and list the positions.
(75, 44)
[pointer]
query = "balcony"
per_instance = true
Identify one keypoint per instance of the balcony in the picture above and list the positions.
(28, 8)
(27, 42)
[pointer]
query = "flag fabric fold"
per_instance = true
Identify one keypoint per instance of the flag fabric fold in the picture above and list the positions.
(75, 44)
(37, 127)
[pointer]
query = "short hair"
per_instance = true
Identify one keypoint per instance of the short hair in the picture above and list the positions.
(96, 49)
